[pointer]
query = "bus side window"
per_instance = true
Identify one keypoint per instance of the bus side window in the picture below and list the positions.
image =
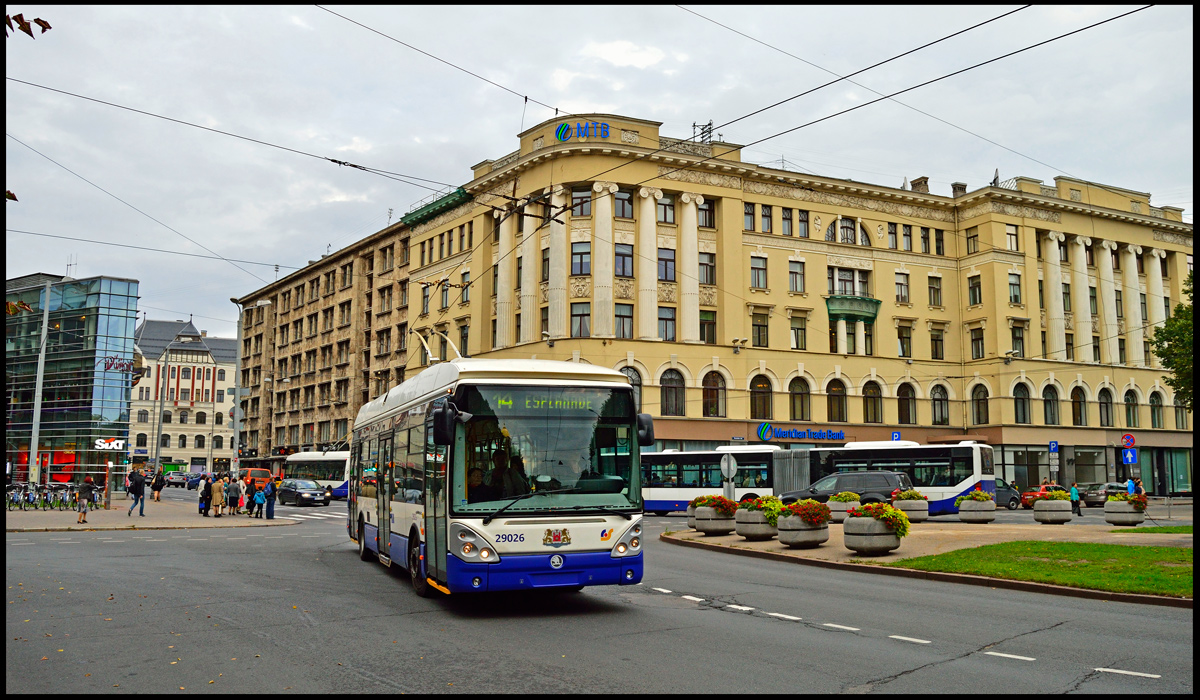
(398, 459)
(415, 467)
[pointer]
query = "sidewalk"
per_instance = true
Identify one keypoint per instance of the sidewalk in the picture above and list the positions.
(164, 515)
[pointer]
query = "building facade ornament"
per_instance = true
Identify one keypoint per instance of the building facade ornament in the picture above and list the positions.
(683, 146)
(629, 136)
(993, 207)
(667, 292)
(624, 288)
(697, 177)
(708, 295)
(581, 287)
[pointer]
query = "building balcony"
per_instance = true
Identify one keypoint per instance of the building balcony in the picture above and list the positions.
(851, 308)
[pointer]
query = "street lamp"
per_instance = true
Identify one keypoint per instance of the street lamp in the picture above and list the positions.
(164, 378)
(236, 413)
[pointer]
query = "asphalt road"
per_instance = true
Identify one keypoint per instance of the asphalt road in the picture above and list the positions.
(294, 610)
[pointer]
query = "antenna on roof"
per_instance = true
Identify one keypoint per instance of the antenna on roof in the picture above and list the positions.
(996, 180)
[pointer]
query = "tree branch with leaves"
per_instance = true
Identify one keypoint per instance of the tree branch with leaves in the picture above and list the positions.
(1175, 348)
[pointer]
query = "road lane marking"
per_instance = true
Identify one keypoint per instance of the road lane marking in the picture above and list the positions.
(68, 542)
(909, 639)
(20, 544)
(693, 598)
(1010, 656)
(274, 537)
(202, 539)
(660, 590)
(317, 536)
(1128, 673)
(781, 616)
(738, 607)
(237, 538)
(156, 540)
(112, 541)
(842, 627)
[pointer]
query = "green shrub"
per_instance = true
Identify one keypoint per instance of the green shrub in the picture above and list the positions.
(974, 496)
(1138, 500)
(722, 505)
(894, 518)
(844, 497)
(911, 495)
(769, 506)
(1052, 496)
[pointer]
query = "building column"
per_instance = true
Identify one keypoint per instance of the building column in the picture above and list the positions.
(647, 264)
(1106, 293)
(556, 293)
(1154, 295)
(688, 272)
(1081, 300)
(841, 336)
(602, 259)
(860, 338)
(531, 260)
(505, 282)
(1056, 322)
(1134, 322)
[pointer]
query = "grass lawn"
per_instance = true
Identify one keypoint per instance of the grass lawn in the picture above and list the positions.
(1106, 567)
(1165, 530)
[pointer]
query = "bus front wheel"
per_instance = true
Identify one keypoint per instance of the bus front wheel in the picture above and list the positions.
(363, 553)
(420, 585)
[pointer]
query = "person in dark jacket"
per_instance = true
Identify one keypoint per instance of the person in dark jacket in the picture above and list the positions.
(270, 489)
(137, 492)
(206, 495)
(251, 489)
(157, 485)
(86, 489)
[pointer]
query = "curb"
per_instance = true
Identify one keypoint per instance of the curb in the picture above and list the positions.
(145, 527)
(968, 579)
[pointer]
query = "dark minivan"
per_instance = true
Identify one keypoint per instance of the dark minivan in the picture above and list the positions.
(871, 487)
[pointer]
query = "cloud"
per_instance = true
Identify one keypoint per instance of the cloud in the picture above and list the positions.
(357, 145)
(623, 53)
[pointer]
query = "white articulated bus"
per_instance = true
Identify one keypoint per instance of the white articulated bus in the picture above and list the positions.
(328, 469)
(486, 475)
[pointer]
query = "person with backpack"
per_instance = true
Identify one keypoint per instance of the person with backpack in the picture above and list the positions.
(137, 493)
(157, 485)
(269, 490)
(260, 499)
(86, 489)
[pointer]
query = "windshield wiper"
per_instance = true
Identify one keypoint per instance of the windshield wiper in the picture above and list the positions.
(603, 509)
(522, 497)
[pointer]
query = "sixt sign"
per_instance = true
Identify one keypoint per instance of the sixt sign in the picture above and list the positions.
(565, 131)
(766, 432)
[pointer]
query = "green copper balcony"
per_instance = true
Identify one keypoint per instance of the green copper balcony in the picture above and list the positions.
(848, 308)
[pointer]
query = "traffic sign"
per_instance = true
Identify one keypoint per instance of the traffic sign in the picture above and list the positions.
(895, 435)
(728, 466)
(1054, 446)
(1127, 440)
(1129, 455)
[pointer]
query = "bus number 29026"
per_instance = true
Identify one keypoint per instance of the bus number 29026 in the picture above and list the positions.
(510, 538)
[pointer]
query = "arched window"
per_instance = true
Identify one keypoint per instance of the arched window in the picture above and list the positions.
(1078, 406)
(201, 418)
(1131, 409)
(635, 382)
(671, 399)
(1050, 405)
(842, 231)
(761, 398)
(906, 404)
(799, 392)
(1156, 410)
(182, 441)
(183, 417)
(166, 417)
(218, 442)
(143, 416)
(199, 442)
(219, 418)
(185, 373)
(714, 395)
(1104, 398)
(141, 440)
(165, 441)
(1021, 403)
(836, 401)
(220, 375)
(939, 401)
(979, 405)
(872, 403)
(1180, 416)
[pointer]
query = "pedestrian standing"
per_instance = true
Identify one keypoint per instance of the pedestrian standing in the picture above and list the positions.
(137, 492)
(260, 499)
(205, 494)
(251, 492)
(270, 490)
(200, 495)
(86, 489)
(232, 494)
(218, 495)
(1129, 485)
(157, 485)
(1075, 499)
(1137, 487)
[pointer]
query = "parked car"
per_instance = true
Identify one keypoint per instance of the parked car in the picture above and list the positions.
(177, 478)
(260, 476)
(194, 480)
(871, 487)
(301, 491)
(1097, 494)
(1034, 492)
(1007, 494)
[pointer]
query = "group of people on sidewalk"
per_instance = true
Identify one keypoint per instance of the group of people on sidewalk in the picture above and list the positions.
(228, 495)
(1134, 486)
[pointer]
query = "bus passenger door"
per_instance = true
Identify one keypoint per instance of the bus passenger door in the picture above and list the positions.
(383, 501)
(435, 507)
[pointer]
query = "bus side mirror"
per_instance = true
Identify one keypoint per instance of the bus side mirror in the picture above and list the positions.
(645, 430)
(443, 426)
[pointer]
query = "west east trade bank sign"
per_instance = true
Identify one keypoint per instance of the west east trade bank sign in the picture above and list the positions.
(767, 432)
(567, 131)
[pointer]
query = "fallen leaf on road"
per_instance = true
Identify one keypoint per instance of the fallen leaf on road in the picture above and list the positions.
(107, 619)
(174, 662)
(43, 658)
(86, 675)
(211, 682)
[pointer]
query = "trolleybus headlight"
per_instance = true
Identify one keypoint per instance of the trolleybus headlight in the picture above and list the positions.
(635, 542)
(621, 548)
(637, 529)
(467, 548)
(485, 554)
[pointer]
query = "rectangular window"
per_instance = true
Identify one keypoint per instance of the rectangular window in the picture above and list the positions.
(665, 208)
(581, 202)
(581, 320)
(935, 291)
(466, 287)
(1066, 292)
(545, 320)
(1121, 350)
(446, 295)
(892, 242)
(758, 273)
(1090, 256)
(1166, 307)
(424, 300)
(799, 333)
(520, 265)
(1120, 305)
(666, 323)
(972, 240)
(1141, 265)
(939, 241)
(1142, 307)
(901, 288)
(1070, 347)
(937, 344)
(666, 264)
(1116, 260)
(976, 343)
(1014, 289)
(1018, 341)
(1063, 255)
(802, 223)
(442, 242)
(581, 258)
(708, 327)
(220, 396)
(786, 227)
(706, 214)
(1012, 236)
(869, 338)
(974, 290)
(748, 216)
(1095, 348)
(907, 237)
(795, 276)
(766, 219)
(904, 335)
(708, 268)
(924, 239)
(624, 315)
(758, 330)
(623, 204)
(623, 264)
(423, 252)
(1093, 306)
(545, 264)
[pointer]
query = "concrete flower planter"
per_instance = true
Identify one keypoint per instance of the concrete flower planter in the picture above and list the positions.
(691, 513)
(753, 525)
(977, 511)
(869, 537)
(1120, 513)
(1051, 512)
(710, 522)
(838, 510)
(798, 534)
(917, 511)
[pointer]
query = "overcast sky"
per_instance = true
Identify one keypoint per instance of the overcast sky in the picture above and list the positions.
(1111, 104)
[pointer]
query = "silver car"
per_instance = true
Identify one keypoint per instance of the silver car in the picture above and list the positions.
(1097, 494)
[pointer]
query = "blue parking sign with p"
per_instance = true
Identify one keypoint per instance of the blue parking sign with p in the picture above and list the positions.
(895, 434)
(1054, 445)
(1129, 455)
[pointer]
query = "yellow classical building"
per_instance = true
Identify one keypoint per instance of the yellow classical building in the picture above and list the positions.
(735, 296)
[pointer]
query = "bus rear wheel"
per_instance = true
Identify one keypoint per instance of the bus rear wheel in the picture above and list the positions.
(363, 553)
(420, 586)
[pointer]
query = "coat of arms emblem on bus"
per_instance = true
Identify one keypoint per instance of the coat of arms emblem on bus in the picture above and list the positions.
(557, 538)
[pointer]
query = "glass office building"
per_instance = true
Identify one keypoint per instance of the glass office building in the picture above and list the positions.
(85, 379)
